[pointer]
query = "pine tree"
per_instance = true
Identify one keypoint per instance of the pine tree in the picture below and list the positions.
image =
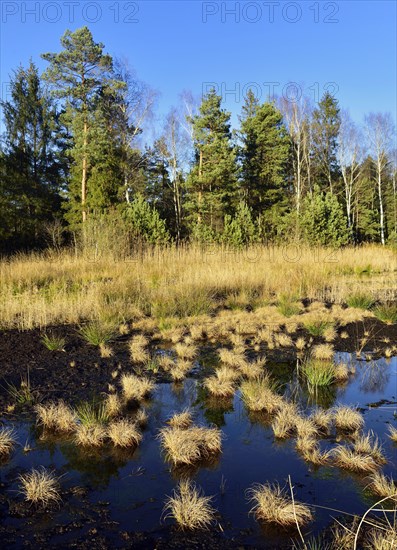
(33, 163)
(264, 156)
(325, 130)
(83, 75)
(212, 180)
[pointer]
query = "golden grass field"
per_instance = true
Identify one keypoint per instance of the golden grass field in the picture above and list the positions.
(42, 290)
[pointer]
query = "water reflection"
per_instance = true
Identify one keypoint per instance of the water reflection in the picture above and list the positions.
(375, 377)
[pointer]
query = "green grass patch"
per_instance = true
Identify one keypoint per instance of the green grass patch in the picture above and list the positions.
(360, 301)
(54, 343)
(92, 413)
(96, 333)
(318, 373)
(386, 313)
(317, 328)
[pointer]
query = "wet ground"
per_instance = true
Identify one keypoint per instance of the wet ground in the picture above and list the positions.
(115, 499)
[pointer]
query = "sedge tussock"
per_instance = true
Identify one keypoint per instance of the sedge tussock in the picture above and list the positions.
(329, 334)
(253, 369)
(322, 418)
(136, 388)
(185, 351)
(124, 433)
(231, 358)
(222, 384)
(382, 539)
(40, 487)
(341, 372)
(189, 445)
(348, 459)
(273, 505)
(258, 395)
(197, 332)
(283, 340)
(305, 427)
(180, 370)
(348, 418)
(383, 486)
(369, 444)
(105, 350)
(137, 347)
(165, 362)
(189, 507)
(284, 422)
(300, 343)
(323, 352)
(113, 405)
(182, 420)
(393, 433)
(7, 441)
(90, 436)
(311, 452)
(56, 416)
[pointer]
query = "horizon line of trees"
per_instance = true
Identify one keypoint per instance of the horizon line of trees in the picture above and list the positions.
(70, 160)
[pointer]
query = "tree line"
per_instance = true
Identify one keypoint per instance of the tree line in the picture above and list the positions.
(71, 161)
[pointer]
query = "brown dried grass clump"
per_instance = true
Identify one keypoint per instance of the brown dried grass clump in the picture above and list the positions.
(393, 433)
(182, 420)
(284, 423)
(58, 417)
(323, 352)
(369, 444)
(258, 395)
(185, 446)
(271, 504)
(113, 405)
(305, 427)
(232, 358)
(124, 433)
(348, 418)
(383, 486)
(7, 441)
(189, 507)
(40, 487)
(136, 388)
(322, 418)
(185, 350)
(137, 347)
(348, 459)
(222, 384)
(180, 370)
(90, 436)
(341, 372)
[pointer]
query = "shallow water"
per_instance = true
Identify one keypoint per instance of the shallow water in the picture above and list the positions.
(133, 487)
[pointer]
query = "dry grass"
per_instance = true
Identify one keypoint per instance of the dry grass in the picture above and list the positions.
(165, 362)
(185, 351)
(382, 539)
(305, 427)
(324, 352)
(56, 416)
(322, 419)
(189, 507)
(180, 370)
(232, 358)
(222, 384)
(182, 420)
(36, 292)
(311, 452)
(90, 436)
(393, 433)
(369, 444)
(284, 422)
(273, 505)
(113, 405)
(124, 433)
(341, 372)
(7, 441)
(258, 395)
(141, 418)
(383, 486)
(40, 487)
(136, 388)
(137, 347)
(253, 369)
(300, 343)
(348, 418)
(185, 446)
(348, 459)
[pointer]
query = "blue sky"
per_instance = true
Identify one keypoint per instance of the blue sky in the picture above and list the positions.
(347, 46)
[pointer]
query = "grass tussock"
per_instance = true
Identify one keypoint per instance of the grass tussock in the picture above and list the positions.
(349, 459)
(306, 427)
(97, 333)
(318, 373)
(53, 343)
(322, 418)
(272, 504)
(348, 418)
(40, 487)
(185, 350)
(386, 313)
(311, 452)
(136, 388)
(383, 486)
(185, 446)
(341, 372)
(258, 395)
(393, 433)
(189, 507)
(113, 405)
(222, 384)
(232, 358)
(124, 433)
(323, 352)
(360, 301)
(369, 444)
(141, 418)
(58, 417)
(180, 370)
(284, 423)
(137, 348)
(253, 369)
(182, 420)
(92, 413)
(90, 436)
(7, 441)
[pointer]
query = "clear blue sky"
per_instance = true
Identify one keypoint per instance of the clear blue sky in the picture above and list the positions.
(176, 45)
